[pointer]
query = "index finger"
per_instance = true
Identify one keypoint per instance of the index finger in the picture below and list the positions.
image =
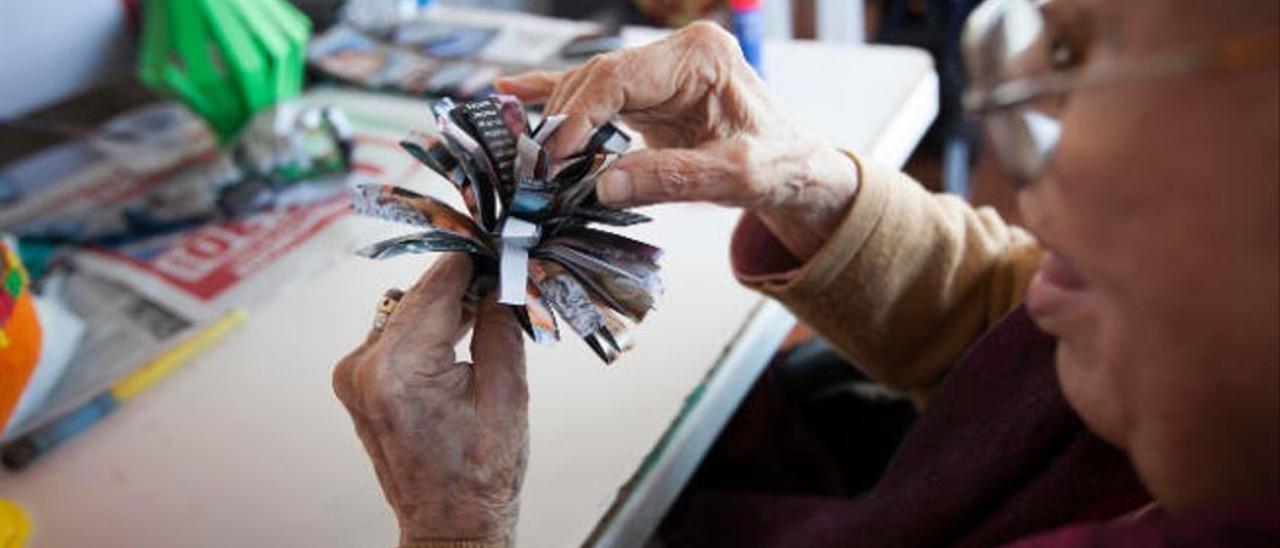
(430, 314)
(497, 350)
(684, 64)
(531, 87)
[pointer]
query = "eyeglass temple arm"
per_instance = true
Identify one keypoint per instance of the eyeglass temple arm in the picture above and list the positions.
(1233, 55)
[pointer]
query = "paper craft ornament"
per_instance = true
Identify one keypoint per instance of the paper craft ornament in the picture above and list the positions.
(531, 223)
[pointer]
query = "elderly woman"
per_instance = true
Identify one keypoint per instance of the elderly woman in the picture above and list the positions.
(1143, 404)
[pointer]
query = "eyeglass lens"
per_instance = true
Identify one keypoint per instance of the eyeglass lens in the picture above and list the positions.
(1007, 40)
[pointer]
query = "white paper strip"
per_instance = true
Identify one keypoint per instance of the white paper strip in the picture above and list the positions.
(520, 232)
(513, 270)
(513, 266)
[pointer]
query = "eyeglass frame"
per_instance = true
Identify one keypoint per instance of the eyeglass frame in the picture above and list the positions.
(1232, 54)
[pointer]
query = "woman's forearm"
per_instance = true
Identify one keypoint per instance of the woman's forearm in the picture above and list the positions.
(903, 283)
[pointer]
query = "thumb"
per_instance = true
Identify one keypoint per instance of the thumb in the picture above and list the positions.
(497, 352)
(652, 176)
(531, 87)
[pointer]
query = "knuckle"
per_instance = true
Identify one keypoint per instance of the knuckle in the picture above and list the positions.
(605, 76)
(675, 176)
(569, 76)
(742, 156)
(342, 379)
(606, 63)
(604, 67)
(565, 86)
(712, 52)
(711, 39)
(740, 152)
(706, 32)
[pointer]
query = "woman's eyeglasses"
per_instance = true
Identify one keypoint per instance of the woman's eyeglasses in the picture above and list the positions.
(1021, 73)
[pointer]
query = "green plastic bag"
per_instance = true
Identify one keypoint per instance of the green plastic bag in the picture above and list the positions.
(225, 59)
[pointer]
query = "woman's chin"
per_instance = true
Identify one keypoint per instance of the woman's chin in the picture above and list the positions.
(1088, 392)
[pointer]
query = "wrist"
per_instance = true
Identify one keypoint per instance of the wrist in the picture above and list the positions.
(815, 185)
(465, 526)
(409, 540)
(492, 538)
(454, 544)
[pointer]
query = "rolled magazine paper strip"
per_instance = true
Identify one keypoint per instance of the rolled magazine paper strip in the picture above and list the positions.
(530, 222)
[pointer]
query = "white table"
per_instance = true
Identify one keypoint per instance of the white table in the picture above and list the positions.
(247, 446)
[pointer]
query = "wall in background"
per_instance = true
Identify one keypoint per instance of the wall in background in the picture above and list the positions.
(50, 49)
(840, 20)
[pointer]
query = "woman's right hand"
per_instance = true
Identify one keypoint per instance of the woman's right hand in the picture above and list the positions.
(714, 132)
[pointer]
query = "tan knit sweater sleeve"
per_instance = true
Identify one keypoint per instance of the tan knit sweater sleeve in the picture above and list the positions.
(907, 282)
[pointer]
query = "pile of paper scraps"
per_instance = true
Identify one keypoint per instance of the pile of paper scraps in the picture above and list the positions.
(530, 220)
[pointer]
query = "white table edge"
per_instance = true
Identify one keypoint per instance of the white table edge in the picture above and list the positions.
(644, 500)
(896, 141)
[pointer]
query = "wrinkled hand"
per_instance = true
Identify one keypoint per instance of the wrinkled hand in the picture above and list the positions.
(715, 133)
(448, 440)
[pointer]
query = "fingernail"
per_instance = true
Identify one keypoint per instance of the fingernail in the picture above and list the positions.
(614, 187)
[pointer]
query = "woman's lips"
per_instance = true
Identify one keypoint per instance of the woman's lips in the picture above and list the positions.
(1055, 289)
(1057, 271)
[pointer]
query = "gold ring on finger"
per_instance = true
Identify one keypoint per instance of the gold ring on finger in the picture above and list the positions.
(386, 306)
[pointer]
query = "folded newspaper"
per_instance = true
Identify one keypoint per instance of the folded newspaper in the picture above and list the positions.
(529, 224)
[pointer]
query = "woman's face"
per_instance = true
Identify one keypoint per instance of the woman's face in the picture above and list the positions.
(1161, 212)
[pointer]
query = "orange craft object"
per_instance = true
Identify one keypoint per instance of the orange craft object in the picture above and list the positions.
(20, 337)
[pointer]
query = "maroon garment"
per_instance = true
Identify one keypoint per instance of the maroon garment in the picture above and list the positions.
(1237, 526)
(997, 457)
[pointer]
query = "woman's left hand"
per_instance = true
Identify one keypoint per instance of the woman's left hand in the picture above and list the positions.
(449, 440)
